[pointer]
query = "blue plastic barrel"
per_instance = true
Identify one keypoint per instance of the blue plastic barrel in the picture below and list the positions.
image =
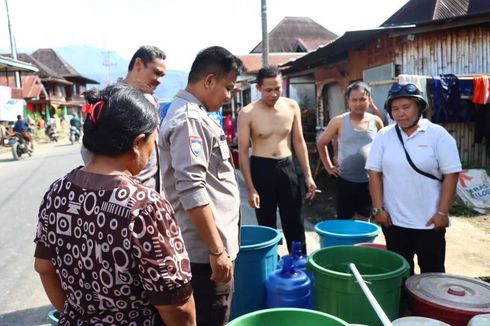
(345, 232)
(256, 260)
(289, 287)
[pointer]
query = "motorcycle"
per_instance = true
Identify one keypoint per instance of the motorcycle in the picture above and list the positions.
(74, 134)
(20, 146)
(52, 133)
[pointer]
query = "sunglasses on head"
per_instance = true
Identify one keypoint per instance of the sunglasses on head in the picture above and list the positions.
(409, 88)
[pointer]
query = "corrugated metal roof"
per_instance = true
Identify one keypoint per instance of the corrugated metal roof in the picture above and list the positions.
(253, 62)
(450, 8)
(419, 11)
(31, 85)
(44, 71)
(9, 64)
(284, 37)
(334, 51)
(50, 58)
(338, 49)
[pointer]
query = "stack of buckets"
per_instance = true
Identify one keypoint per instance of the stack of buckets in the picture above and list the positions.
(337, 291)
(328, 282)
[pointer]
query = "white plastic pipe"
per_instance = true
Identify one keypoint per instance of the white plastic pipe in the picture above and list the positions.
(372, 300)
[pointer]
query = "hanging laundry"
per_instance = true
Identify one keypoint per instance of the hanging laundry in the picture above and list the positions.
(481, 90)
(447, 100)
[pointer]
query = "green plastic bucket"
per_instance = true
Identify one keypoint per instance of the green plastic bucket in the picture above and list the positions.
(287, 317)
(338, 293)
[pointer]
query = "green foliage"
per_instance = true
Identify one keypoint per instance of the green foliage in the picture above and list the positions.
(462, 210)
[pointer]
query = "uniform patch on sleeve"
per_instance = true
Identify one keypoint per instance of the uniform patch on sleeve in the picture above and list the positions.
(195, 144)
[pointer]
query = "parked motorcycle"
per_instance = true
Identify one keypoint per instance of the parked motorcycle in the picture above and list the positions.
(74, 134)
(52, 133)
(20, 146)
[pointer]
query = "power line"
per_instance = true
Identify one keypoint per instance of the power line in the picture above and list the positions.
(107, 63)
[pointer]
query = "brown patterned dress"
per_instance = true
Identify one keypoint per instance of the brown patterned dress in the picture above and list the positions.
(116, 247)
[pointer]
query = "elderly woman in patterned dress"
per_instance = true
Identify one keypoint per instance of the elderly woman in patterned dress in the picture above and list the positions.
(108, 249)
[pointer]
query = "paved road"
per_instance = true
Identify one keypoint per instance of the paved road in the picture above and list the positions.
(22, 185)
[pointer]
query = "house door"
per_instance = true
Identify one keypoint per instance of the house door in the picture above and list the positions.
(333, 102)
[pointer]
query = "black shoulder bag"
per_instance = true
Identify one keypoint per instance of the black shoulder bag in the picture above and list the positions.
(425, 174)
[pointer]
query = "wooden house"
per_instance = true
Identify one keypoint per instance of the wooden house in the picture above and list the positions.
(423, 40)
(11, 97)
(60, 89)
(291, 38)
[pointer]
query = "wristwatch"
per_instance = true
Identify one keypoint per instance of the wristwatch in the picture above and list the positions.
(375, 211)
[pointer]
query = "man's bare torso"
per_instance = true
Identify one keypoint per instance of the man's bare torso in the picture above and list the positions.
(270, 128)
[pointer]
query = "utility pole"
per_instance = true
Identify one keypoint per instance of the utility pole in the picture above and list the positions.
(13, 50)
(265, 35)
(106, 62)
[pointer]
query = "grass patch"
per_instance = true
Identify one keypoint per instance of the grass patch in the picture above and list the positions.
(462, 210)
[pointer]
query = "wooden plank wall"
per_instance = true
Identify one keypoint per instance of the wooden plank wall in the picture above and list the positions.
(472, 155)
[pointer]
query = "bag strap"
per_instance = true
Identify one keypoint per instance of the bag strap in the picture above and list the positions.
(425, 174)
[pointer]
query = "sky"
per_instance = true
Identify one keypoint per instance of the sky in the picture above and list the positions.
(179, 27)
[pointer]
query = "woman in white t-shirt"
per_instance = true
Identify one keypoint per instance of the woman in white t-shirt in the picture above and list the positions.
(412, 206)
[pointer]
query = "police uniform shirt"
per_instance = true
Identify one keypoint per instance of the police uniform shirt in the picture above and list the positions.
(196, 170)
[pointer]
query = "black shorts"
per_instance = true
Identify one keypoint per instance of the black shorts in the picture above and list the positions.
(352, 198)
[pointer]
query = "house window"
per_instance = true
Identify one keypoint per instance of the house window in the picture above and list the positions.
(303, 90)
(59, 91)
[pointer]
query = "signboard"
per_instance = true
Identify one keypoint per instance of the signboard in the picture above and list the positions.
(9, 109)
(473, 190)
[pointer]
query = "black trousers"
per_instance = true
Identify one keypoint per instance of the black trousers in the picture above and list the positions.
(213, 300)
(278, 185)
(428, 245)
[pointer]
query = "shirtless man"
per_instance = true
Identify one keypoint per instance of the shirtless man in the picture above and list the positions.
(273, 124)
(354, 131)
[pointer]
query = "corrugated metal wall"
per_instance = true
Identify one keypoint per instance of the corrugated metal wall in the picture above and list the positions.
(457, 51)
(472, 155)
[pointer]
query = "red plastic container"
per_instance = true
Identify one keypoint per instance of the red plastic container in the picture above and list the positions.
(449, 298)
(372, 245)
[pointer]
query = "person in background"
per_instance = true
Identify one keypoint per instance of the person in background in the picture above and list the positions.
(354, 131)
(22, 127)
(200, 181)
(413, 206)
(145, 71)
(229, 129)
(75, 122)
(273, 126)
(108, 249)
(3, 133)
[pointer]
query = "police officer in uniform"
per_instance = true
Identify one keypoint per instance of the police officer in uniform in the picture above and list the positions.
(199, 180)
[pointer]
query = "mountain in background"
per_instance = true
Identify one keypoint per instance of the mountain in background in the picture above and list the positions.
(88, 61)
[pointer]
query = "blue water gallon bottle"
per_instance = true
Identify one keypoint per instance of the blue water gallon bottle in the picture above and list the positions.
(299, 260)
(288, 287)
